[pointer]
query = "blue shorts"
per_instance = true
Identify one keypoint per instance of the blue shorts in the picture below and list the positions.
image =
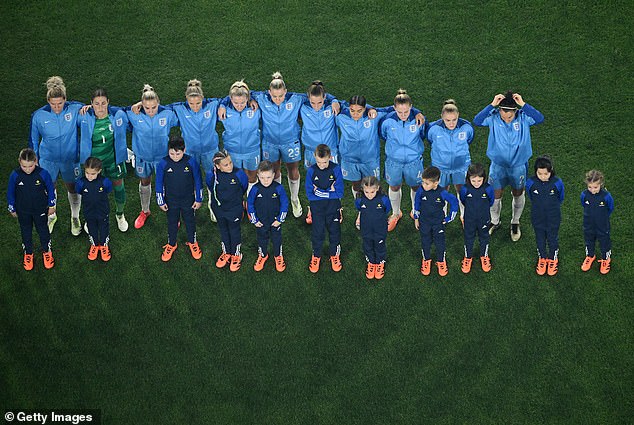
(289, 152)
(309, 157)
(70, 171)
(355, 171)
(500, 177)
(205, 160)
(145, 169)
(247, 161)
(396, 171)
(448, 177)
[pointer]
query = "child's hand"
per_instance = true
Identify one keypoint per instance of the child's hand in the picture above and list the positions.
(51, 211)
(196, 205)
(259, 224)
(276, 224)
(163, 207)
(136, 108)
(14, 214)
(416, 223)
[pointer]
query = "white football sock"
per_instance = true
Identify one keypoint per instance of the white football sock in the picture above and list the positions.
(395, 200)
(74, 199)
(495, 211)
(294, 189)
(518, 207)
(145, 193)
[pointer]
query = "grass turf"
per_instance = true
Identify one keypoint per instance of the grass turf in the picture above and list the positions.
(182, 342)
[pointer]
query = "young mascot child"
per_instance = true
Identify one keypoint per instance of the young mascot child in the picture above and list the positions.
(94, 189)
(597, 206)
(31, 198)
(179, 192)
(373, 207)
(430, 218)
(267, 205)
(324, 190)
(477, 197)
(546, 192)
(227, 186)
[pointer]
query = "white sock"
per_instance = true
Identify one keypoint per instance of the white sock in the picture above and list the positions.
(74, 199)
(278, 179)
(293, 185)
(355, 193)
(249, 188)
(145, 193)
(412, 195)
(395, 200)
(495, 211)
(518, 207)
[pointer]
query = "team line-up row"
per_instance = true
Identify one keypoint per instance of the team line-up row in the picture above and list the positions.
(270, 125)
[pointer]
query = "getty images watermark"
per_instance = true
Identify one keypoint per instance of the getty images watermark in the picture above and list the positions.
(52, 416)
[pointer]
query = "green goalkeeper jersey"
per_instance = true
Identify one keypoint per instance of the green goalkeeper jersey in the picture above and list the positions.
(103, 142)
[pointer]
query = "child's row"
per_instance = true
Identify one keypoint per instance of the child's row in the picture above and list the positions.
(31, 197)
(266, 124)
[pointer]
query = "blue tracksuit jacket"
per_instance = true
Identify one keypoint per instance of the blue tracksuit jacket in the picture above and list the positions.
(227, 191)
(319, 126)
(267, 204)
(597, 210)
(198, 128)
(509, 144)
(450, 148)
(242, 130)
(429, 204)
(151, 134)
(279, 123)
(324, 185)
(373, 216)
(403, 139)
(94, 196)
(178, 183)
(54, 136)
(546, 199)
(30, 193)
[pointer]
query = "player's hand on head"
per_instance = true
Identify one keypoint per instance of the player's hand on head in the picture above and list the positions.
(497, 99)
(518, 99)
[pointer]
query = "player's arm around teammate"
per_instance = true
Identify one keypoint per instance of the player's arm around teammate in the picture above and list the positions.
(53, 137)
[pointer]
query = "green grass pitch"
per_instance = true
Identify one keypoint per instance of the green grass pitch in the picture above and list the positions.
(183, 342)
